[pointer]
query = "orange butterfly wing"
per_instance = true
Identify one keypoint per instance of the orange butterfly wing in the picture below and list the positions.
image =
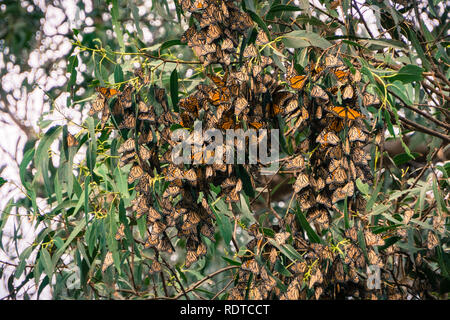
(107, 92)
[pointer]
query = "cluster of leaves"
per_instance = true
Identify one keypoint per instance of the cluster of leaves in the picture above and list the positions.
(166, 229)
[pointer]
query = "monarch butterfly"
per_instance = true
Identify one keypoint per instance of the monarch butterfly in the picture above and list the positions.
(343, 192)
(155, 267)
(129, 122)
(174, 173)
(128, 145)
(324, 199)
(124, 98)
(97, 105)
(217, 97)
(268, 282)
(108, 261)
(335, 163)
(191, 257)
(158, 227)
(336, 125)
(190, 175)
(164, 245)
(232, 196)
(292, 292)
(341, 74)
(71, 140)
(360, 157)
(120, 232)
(317, 184)
(332, 61)
(261, 38)
(338, 176)
(193, 217)
(301, 182)
(256, 125)
(373, 239)
(291, 105)
(327, 137)
(227, 45)
(297, 163)
(265, 61)
(281, 237)
(346, 147)
(239, 105)
(153, 215)
(201, 249)
(213, 33)
(171, 191)
(207, 231)
(348, 93)
(307, 200)
(346, 113)
(190, 104)
(250, 51)
(151, 241)
(432, 240)
(107, 92)
(319, 112)
(355, 134)
(370, 100)
(297, 82)
(251, 265)
(318, 93)
(135, 173)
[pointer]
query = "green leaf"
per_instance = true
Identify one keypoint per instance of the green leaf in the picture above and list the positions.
(170, 43)
(135, 14)
(2, 181)
(28, 156)
(72, 64)
(403, 158)
(23, 261)
(118, 74)
(288, 250)
(302, 39)
(312, 235)
(246, 181)
(260, 23)
(224, 224)
(174, 89)
(362, 187)
(47, 261)
(44, 145)
(80, 226)
(116, 24)
(283, 7)
(408, 74)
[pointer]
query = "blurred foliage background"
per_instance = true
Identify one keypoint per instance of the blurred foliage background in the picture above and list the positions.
(62, 205)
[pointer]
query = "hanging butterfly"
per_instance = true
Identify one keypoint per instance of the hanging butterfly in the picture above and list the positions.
(370, 100)
(348, 93)
(356, 134)
(297, 82)
(301, 182)
(346, 113)
(343, 192)
(135, 173)
(107, 92)
(327, 137)
(320, 94)
(71, 140)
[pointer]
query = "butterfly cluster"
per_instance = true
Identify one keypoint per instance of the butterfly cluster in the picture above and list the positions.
(215, 34)
(326, 165)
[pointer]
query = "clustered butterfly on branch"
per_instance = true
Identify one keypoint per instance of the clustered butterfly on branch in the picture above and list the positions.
(323, 100)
